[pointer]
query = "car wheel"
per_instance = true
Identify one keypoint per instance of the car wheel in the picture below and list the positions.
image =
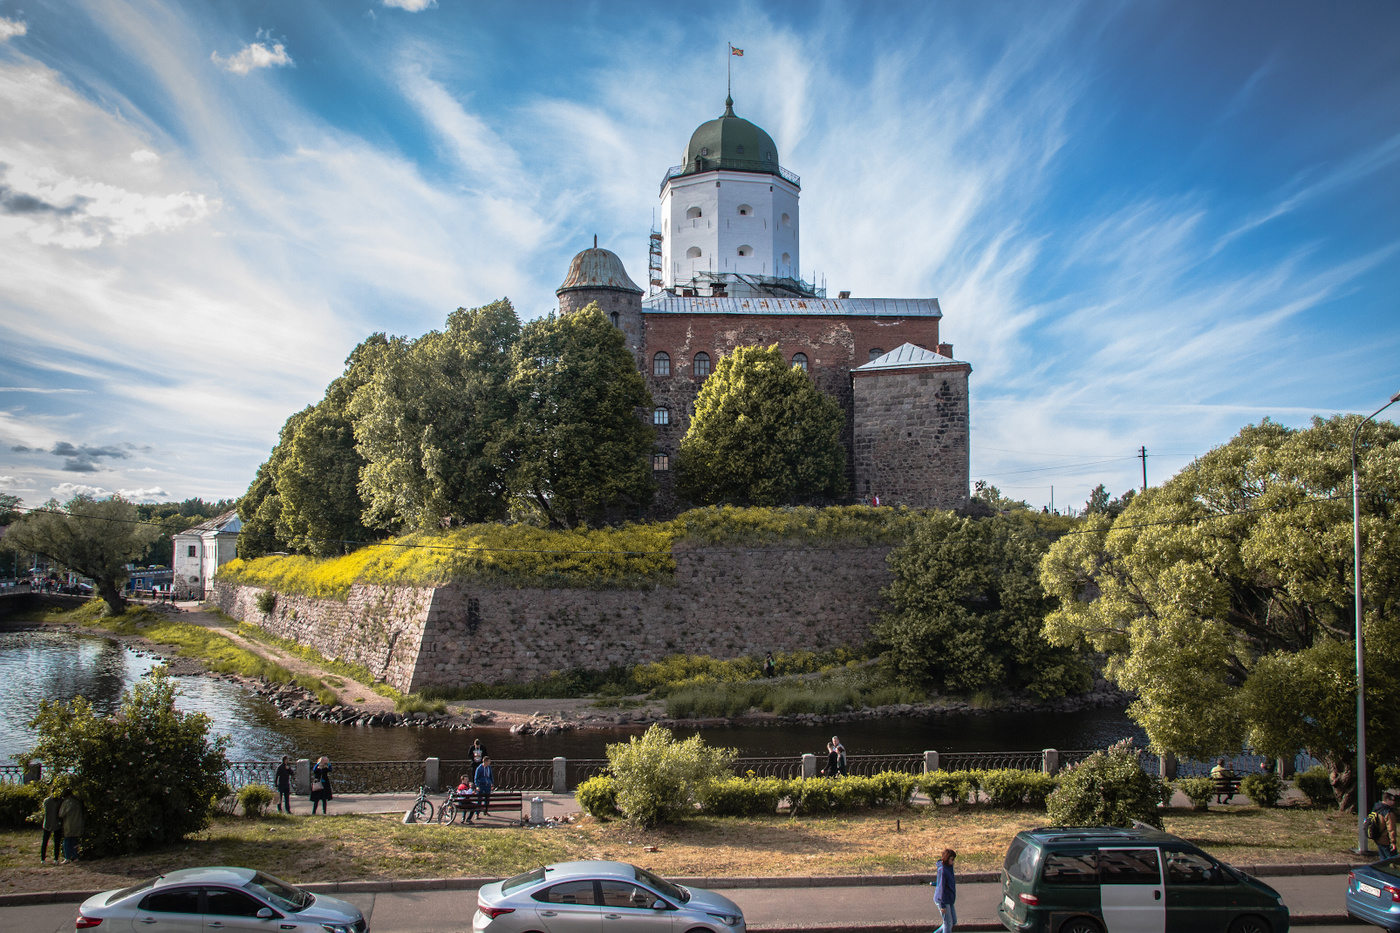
(1080, 925)
(1249, 923)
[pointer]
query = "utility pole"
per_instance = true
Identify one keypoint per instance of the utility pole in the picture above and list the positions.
(1142, 455)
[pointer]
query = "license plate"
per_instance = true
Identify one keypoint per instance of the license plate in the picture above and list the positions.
(1370, 889)
(1010, 905)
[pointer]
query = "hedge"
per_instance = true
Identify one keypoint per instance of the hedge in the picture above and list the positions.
(18, 802)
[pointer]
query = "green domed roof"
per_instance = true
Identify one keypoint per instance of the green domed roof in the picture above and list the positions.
(731, 142)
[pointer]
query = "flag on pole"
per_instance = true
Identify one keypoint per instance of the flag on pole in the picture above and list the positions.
(734, 51)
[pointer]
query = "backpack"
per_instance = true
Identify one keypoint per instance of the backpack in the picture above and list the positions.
(1376, 827)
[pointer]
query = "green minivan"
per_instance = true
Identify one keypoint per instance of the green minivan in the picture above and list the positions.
(1102, 879)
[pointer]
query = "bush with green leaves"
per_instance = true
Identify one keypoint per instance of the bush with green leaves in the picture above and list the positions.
(1109, 788)
(254, 799)
(743, 796)
(267, 602)
(1264, 789)
(147, 776)
(1198, 790)
(1014, 789)
(959, 787)
(1387, 776)
(658, 778)
(598, 797)
(18, 802)
(1316, 785)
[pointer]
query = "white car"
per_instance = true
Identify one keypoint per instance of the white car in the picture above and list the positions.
(574, 897)
(195, 900)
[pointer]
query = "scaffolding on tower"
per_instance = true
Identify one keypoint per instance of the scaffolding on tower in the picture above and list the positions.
(654, 261)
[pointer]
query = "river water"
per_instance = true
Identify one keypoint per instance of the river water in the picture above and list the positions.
(38, 665)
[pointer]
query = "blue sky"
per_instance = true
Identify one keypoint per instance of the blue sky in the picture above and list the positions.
(1147, 223)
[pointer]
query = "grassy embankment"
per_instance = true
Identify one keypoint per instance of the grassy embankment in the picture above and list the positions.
(343, 848)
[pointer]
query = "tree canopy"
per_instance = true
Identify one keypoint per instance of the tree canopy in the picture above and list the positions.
(98, 538)
(578, 444)
(762, 434)
(1224, 597)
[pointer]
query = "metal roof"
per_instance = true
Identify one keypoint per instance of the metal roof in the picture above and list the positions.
(598, 268)
(844, 307)
(906, 356)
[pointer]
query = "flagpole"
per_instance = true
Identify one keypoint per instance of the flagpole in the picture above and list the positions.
(729, 71)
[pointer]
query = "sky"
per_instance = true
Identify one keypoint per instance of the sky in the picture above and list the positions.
(1148, 223)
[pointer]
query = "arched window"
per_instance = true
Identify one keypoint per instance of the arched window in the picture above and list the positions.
(693, 253)
(876, 353)
(691, 213)
(787, 259)
(746, 250)
(702, 364)
(787, 221)
(661, 416)
(745, 210)
(661, 364)
(800, 361)
(660, 462)
(615, 318)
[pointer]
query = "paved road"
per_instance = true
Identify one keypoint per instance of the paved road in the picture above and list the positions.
(896, 909)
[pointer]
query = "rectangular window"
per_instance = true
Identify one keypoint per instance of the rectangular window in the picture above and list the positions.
(1071, 868)
(660, 462)
(1129, 866)
(661, 416)
(194, 550)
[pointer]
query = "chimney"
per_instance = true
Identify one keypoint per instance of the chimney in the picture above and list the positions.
(945, 349)
(843, 294)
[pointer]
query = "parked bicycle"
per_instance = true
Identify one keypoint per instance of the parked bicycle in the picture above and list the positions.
(422, 811)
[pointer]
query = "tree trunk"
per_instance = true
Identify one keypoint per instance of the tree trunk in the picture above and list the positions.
(1343, 778)
(111, 595)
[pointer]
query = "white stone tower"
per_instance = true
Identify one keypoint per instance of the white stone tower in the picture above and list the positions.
(729, 215)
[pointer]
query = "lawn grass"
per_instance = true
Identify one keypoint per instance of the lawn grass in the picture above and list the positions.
(379, 847)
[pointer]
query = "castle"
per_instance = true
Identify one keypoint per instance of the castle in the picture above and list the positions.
(724, 273)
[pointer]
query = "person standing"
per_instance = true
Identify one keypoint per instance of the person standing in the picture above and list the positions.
(770, 667)
(833, 757)
(321, 786)
(945, 892)
(1388, 833)
(841, 768)
(70, 813)
(53, 827)
(484, 780)
(283, 782)
(477, 753)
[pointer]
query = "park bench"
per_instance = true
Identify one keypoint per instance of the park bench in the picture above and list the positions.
(1226, 786)
(500, 802)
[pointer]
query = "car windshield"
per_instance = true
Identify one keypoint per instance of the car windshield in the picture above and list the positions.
(662, 886)
(127, 892)
(519, 881)
(280, 893)
(1391, 868)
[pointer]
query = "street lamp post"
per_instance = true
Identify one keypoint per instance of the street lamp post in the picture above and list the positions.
(1362, 844)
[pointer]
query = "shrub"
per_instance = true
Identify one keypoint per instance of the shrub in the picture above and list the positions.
(416, 703)
(894, 788)
(147, 776)
(737, 796)
(255, 799)
(1012, 788)
(1264, 789)
(267, 602)
(1108, 788)
(1316, 785)
(598, 797)
(18, 802)
(657, 777)
(812, 795)
(1198, 790)
(960, 787)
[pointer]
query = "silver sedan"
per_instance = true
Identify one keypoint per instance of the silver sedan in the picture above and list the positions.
(195, 900)
(589, 897)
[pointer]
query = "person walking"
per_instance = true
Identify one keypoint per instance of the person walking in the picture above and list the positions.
(321, 786)
(70, 813)
(841, 768)
(484, 780)
(53, 827)
(945, 892)
(833, 757)
(283, 782)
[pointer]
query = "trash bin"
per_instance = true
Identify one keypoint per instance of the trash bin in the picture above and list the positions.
(537, 810)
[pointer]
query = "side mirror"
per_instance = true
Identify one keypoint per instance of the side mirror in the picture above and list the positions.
(266, 914)
(659, 904)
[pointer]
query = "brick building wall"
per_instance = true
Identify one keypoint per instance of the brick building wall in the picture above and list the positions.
(911, 441)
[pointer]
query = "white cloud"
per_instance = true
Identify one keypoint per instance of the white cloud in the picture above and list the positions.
(255, 55)
(65, 491)
(412, 6)
(148, 494)
(12, 28)
(144, 156)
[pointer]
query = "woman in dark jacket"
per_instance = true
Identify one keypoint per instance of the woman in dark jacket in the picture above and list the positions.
(321, 786)
(283, 782)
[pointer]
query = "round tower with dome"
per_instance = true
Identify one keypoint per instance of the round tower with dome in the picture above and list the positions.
(598, 275)
(729, 215)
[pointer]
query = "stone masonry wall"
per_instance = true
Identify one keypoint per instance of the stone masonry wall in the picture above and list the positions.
(911, 439)
(725, 603)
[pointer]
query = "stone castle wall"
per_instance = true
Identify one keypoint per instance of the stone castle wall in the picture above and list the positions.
(911, 441)
(724, 603)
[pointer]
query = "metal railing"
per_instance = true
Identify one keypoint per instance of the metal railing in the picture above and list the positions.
(12, 774)
(704, 164)
(377, 777)
(242, 773)
(990, 761)
(768, 767)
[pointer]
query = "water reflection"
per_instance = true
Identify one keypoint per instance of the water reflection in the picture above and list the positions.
(56, 665)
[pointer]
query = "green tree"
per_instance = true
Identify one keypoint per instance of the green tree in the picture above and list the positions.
(579, 446)
(968, 610)
(98, 538)
(9, 508)
(431, 420)
(1100, 502)
(147, 776)
(1240, 567)
(985, 492)
(762, 434)
(656, 778)
(1109, 788)
(261, 506)
(9, 553)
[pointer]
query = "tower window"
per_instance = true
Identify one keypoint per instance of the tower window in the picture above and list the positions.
(745, 210)
(661, 416)
(787, 259)
(661, 364)
(702, 364)
(614, 317)
(746, 251)
(660, 462)
(787, 221)
(691, 213)
(876, 353)
(800, 361)
(705, 151)
(768, 156)
(693, 253)
(741, 150)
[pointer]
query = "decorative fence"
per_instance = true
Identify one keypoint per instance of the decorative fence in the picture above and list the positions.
(990, 761)
(242, 773)
(12, 774)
